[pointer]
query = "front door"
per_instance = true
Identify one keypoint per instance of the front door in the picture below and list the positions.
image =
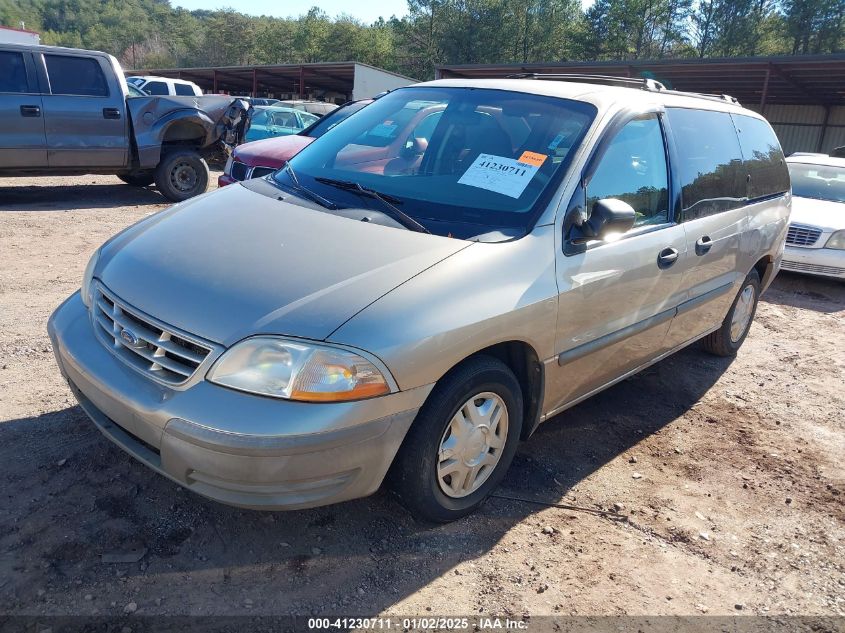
(618, 296)
(22, 139)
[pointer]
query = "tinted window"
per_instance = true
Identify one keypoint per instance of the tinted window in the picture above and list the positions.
(822, 182)
(184, 89)
(76, 76)
(764, 160)
(710, 162)
(155, 88)
(633, 169)
(12, 72)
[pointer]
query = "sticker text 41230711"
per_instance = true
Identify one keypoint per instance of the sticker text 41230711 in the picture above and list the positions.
(503, 175)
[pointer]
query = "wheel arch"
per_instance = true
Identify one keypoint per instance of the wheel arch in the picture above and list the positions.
(522, 359)
(765, 267)
(179, 129)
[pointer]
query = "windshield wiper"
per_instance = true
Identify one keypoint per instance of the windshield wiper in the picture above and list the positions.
(307, 193)
(387, 200)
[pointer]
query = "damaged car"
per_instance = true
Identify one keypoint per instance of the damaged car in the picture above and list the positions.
(69, 112)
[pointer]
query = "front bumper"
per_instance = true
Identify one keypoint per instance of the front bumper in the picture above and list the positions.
(826, 262)
(224, 179)
(233, 447)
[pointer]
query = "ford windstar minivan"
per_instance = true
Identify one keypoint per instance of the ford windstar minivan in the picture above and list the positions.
(423, 285)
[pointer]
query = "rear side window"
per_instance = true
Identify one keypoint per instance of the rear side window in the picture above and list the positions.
(76, 76)
(156, 88)
(710, 162)
(764, 162)
(12, 72)
(184, 90)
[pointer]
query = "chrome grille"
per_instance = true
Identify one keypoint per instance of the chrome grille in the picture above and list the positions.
(153, 349)
(811, 268)
(798, 235)
(239, 171)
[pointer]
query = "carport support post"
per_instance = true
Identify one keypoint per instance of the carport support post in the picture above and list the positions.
(823, 132)
(301, 82)
(214, 81)
(254, 82)
(765, 88)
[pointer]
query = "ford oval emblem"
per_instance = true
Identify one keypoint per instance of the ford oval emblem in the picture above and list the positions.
(129, 337)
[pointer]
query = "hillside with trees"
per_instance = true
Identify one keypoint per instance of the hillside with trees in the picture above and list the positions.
(154, 34)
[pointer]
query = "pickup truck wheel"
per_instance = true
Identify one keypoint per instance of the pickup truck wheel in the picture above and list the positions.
(138, 178)
(181, 175)
(727, 340)
(462, 442)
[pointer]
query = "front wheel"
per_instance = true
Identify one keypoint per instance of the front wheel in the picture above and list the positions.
(727, 340)
(181, 175)
(462, 442)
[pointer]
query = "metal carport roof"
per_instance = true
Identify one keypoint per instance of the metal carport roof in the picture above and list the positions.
(274, 78)
(755, 81)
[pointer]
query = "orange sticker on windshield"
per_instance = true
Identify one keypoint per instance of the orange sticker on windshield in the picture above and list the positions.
(532, 158)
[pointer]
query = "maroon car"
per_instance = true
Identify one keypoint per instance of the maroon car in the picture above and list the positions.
(259, 158)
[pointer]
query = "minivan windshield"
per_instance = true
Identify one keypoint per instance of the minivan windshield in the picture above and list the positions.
(463, 162)
(822, 182)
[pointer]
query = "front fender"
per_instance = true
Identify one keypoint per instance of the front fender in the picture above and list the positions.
(156, 120)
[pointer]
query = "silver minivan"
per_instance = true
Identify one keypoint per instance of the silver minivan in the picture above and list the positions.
(422, 286)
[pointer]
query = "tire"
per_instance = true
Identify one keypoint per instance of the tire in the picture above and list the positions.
(138, 178)
(181, 174)
(724, 342)
(414, 476)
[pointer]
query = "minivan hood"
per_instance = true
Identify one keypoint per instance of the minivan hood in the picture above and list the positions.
(825, 214)
(234, 263)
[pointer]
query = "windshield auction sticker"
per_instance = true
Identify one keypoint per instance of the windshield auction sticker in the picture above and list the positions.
(506, 176)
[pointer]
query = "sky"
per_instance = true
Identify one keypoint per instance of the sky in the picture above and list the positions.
(367, 11)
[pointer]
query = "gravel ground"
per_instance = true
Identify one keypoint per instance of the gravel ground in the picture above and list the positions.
(728, 474)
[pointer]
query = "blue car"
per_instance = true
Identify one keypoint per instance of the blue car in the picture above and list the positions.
(270, 121)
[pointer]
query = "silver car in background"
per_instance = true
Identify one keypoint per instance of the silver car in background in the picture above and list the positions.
(815, 242)
(422, 286)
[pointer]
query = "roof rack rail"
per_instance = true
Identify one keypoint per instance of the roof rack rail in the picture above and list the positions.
(643, 83)
(630, 82)
(703, 95)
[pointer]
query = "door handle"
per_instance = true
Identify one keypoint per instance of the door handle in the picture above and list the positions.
(667, 257)
(111, 113)
(703, 245)
(30, 111)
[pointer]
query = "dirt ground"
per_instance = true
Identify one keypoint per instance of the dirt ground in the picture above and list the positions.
(730, 475)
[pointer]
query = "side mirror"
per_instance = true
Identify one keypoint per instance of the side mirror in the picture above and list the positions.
(609, 215)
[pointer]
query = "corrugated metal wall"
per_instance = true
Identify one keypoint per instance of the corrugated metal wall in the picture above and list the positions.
(800, 127)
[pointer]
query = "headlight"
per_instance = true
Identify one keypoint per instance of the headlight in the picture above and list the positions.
(296, 370)
(837, 241)
(87, 277)
(228, 168)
